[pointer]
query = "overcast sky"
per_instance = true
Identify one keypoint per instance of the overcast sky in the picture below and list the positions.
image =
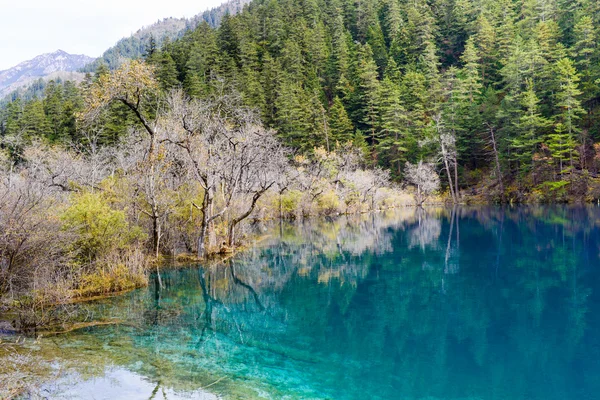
(32, 27)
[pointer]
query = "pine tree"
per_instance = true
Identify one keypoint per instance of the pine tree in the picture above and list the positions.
(393, 20)
(568, 104)
(562, 147)
(166, 71)
(585, 52)
(485, 40)
(431, 69)
(294, 114)
(393, 144)
(340, 125)
(505, 29)
(414, 98)
(35, 123)
(13, 122)
(369, 92)
(151, 49)
(53, 108)
(471, 81)
(228, 40)
(530, 127)
(253, 93)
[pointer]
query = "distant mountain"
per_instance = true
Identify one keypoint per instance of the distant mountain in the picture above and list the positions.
(213, 17)
(29, 77)
(59, 64)
(135, 45)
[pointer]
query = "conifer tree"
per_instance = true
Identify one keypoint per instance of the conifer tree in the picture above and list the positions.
(340, 125)
(369, 92)
(53, 108)
(471, 82)
(166, 71)
(35, 123)
(393, 140)
(530, 126)
(485, 41)
(569, 106)
(585, 52)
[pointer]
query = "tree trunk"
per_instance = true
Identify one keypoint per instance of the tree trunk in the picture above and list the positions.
(206, 202)
(446, 164)
(497, 162)
(235, 221)
(420, 199)
(155, 234)
(325, 128)
(456, 191)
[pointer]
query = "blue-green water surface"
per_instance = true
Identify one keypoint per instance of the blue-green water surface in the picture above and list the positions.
(470, 303)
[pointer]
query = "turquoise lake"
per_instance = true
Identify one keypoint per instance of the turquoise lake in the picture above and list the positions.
(466, 303)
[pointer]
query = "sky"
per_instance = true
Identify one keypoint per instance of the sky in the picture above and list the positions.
(32, 27)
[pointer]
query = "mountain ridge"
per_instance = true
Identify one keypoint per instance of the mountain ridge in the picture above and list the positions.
(163, 30)
(65, 66)
(41, 66)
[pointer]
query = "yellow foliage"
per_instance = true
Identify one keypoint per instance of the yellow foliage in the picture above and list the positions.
(133, 82)
(329, 202)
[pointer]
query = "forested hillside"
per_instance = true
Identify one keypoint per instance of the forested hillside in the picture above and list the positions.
(168, 29)
(501, 91)
(500, 95)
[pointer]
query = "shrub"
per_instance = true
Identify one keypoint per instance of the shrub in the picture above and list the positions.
(116, 272)
(288, 203)
(329, 203)
(554, 191)
(100, 228)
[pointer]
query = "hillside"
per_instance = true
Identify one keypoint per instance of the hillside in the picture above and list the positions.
(165, 30)
(52, 65)
(501, 99)
(501, 96)
(135, 45)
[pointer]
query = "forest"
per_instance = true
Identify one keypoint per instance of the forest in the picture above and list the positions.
(500, 96)
(291, 109)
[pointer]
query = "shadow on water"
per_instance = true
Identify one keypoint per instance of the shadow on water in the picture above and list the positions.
(448, 303)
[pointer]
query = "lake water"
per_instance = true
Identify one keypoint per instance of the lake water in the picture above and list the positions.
(470, 303)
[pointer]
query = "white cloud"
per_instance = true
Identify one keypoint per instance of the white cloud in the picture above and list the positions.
(32, 27)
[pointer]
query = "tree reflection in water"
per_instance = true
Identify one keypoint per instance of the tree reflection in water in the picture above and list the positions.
(485, 303)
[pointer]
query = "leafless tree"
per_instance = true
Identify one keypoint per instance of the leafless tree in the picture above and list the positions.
(228, 152)
(29, 261)
(448, 155)
(425, 179)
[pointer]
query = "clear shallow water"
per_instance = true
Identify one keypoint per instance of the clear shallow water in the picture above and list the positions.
(482, 303)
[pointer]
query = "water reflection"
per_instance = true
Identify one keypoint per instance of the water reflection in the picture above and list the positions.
(462, 303)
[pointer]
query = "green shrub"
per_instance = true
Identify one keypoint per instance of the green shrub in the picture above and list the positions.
(288, 203)
(553, 191)
(329, 203)
(99, 227)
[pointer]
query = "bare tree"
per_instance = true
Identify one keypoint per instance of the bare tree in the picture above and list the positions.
(425, 179)
(29, 262)
(134, 86)
(493, 143)
(255, 158)
(228, 152)
(448, 154)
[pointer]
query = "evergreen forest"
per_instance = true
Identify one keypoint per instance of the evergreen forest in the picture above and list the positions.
(501, 96)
